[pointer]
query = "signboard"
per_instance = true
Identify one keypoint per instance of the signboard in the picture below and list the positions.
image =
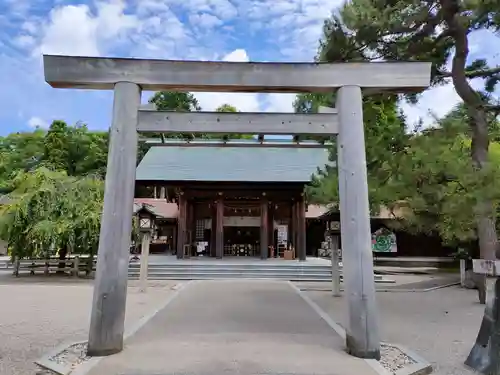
(486, 267)
(241, 221)
(384, 241)
(282, 234)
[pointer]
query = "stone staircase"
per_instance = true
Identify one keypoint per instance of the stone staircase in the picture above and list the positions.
(295, 271)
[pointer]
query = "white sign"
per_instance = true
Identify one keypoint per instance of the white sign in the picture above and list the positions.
(486, 267)
(282, 234)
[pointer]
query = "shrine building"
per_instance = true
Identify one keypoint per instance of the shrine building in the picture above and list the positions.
(221, 201)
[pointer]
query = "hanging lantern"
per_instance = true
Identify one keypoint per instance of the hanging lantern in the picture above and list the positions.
(146, 221)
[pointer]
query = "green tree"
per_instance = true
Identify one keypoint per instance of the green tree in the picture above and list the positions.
(435, 31)
(385, 135)
(226, 108)
(51, 212)
(439, 31)
(19, 152)
(175, 101)
(75, 149)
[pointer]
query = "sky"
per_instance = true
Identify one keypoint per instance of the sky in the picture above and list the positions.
(230, 30)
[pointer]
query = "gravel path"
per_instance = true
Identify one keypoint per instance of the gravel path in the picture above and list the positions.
(34, 318)
(440, 326)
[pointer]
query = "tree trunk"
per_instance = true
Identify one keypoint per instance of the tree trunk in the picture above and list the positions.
(478, 123)
(485, 354)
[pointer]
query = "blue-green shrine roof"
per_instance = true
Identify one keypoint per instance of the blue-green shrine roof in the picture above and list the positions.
(231, 164)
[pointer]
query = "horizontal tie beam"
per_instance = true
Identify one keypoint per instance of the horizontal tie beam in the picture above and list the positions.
(238, 123)
(103, 73)
(237, 143)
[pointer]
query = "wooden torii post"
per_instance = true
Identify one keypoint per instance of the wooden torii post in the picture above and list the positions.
(128, 77)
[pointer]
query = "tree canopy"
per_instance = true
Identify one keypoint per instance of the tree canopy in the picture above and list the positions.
(429, 170)
(438, 31)
(49, 211)
(54, 181)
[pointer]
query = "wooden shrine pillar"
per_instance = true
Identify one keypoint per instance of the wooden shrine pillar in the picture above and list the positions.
(213, 229)
(270, 228)
(264, 229)
(301, 232)
(291, 226)
(190, 226)
(181, 226)
(219, 228)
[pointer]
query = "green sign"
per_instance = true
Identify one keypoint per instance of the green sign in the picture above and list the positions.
(384, 241)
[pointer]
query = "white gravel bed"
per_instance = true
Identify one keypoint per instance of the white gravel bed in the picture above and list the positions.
(37, 317)
(72, 356)
(440, 326)
(393, 359)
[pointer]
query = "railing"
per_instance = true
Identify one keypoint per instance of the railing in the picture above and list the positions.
(74, 265)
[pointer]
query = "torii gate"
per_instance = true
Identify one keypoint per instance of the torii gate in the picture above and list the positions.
(128, 77)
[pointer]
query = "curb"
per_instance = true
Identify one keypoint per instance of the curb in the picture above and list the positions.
(388, 290)
(85, 367)
(421, 367)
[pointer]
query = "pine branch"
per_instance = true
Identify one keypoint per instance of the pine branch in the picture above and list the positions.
(482, 73)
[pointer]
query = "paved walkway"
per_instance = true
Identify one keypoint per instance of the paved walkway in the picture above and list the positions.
(237, 328)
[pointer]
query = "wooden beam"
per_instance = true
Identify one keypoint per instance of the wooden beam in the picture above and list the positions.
(285, 143)
(242, 123)
(277, 195)
(210, 76)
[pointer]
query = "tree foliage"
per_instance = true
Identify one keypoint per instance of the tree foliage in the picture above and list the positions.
(54, 181)
(73, 149)
(226, 108)
(430, 171)
(175, 101)
(51, 211)
(437, 31)
(385, 135)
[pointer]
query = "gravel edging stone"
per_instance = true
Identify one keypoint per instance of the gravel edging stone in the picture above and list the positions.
(395, 359)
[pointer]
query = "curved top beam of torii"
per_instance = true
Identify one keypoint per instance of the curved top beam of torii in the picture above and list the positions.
(102, 73)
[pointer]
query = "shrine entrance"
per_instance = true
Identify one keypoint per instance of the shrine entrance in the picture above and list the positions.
(128, 77)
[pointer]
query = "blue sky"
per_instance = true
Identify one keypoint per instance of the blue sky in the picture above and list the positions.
(236, 30)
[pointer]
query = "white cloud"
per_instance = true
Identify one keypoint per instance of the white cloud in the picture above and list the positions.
(435, 102)
(75, 30)
(205, 20)
(35, 122)
(279, 102)
(229, 30)
(24, 41)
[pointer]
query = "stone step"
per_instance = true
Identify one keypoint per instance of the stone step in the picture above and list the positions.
(229, 271)
(235, 268)
(202, 276)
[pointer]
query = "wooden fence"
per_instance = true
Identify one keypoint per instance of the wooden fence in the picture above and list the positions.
(75, 265)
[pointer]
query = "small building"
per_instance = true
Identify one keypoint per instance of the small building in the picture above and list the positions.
(231, 201)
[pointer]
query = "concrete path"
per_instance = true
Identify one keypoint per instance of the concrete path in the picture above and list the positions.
(237, 328)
